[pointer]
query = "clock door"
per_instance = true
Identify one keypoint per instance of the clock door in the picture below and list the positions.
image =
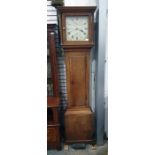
(77, 66)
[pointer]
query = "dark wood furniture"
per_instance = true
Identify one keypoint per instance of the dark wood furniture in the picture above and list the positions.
(53, 101)
(76, 27)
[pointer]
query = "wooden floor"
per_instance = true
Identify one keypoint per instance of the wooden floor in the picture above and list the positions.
(100, 150)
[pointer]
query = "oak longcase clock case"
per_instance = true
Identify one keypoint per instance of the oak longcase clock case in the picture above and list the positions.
(77, 29)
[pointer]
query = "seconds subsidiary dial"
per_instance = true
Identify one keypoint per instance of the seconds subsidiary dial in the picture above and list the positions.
(77, 28)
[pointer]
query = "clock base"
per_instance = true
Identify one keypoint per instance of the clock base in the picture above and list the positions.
(78, 125)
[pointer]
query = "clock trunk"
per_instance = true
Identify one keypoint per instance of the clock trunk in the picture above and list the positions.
(77, 68)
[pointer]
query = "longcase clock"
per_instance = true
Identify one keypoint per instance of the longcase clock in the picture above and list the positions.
(76, 27)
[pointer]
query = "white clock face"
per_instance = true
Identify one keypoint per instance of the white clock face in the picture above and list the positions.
(77, 28)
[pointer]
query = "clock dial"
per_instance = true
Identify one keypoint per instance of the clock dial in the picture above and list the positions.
(77, 28)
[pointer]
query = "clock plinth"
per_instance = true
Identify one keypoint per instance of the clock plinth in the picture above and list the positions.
(77, 39)
(79, 126)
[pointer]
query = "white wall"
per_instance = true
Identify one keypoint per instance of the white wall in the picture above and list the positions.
(80, 3)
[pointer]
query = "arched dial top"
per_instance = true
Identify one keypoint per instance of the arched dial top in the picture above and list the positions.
(77, 28)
